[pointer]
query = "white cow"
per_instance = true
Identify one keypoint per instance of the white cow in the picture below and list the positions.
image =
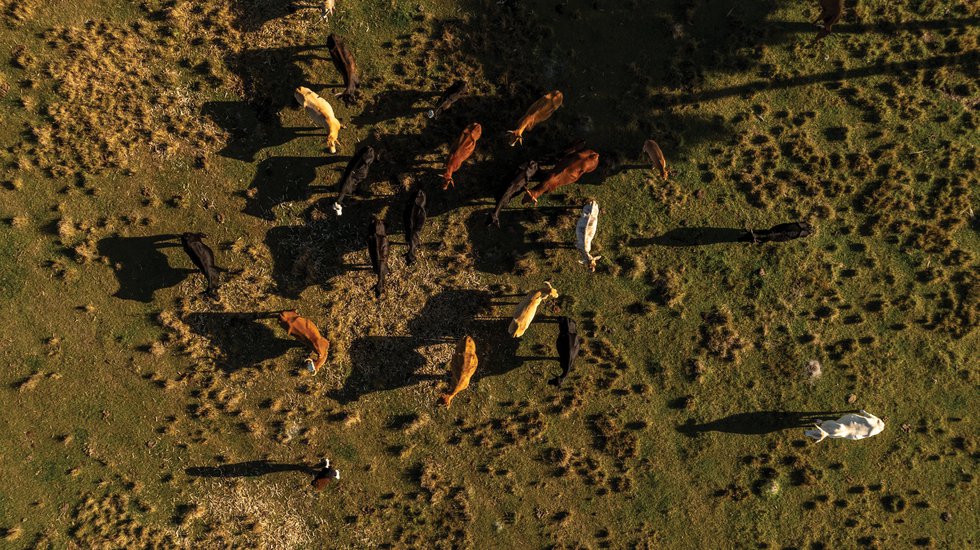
(849, 426)
(585, 232)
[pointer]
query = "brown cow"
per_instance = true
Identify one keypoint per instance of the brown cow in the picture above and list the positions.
(539, 112)
(567, 171)
(460, 151)
(653, 151)
(324, 476)
(306, 332)
(343, 60)
(830, 13)
(462, 368)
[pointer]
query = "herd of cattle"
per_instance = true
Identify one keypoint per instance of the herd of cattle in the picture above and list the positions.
(570, 165)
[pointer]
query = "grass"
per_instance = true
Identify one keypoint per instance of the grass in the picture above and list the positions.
(158, 118)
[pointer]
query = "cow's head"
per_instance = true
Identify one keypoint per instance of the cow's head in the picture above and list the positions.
(592, 262)
(475, 130)
(288, 316)
(551, 292)
(332, 144)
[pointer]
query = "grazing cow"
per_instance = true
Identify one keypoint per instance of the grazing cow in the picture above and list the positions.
(377, 241)
(450, 96)
(830, 12)
(518, 184)
(524, 312)
(567, 171)
(414, 220)
(354, 175)
(568, 344)
(779, 233)
(324, 476)
(203, 257)
(460, 151)
(585, 232)
(321, 112)
(344, 61)
(539, 112)
(462, 368)
(849, 426)
(328, 8)
(306, 332)
(653, 151)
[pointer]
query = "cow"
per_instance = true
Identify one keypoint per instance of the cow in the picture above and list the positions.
(461, 150)
(461, 368)
(203, 257)
(343, 60)
(377, 241)
(830, 12)
(518, 184)
(321, 112)
(328, 8)
(525, 310)
(570, 149)
(585, 232)
(540, 111)
(849, 426)
(414, 219)
(306, 332)
(354, 175)
(778, 233)
(653, 151)
(450, 96)
(567, 171)
(568, 344)
(324, 476)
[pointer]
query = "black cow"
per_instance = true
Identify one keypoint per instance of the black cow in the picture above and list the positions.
(344, 61)
(779, 233)
(203, 257)
(414, 220)
(354, 175)
(568, 344)
(830, 12)
(377, 242)
(450, 96)
(520, 181)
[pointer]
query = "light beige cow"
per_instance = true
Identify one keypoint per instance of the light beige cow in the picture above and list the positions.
(328, 8)
(321, 113)
(653, 151)
(461, 368)
(525, 311)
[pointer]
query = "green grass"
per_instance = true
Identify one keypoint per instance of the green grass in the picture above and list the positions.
(870, 135)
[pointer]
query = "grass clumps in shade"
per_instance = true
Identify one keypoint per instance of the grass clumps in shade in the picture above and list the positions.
(719, 337)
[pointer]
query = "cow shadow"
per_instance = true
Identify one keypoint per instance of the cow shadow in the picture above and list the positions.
(693, 236)
(269, 76)
(280, 180)
(499, 249)
(240, 339)
(383, 363)
(251, 126)
(393, 104)
(140, 267)
(759, 423)
(252, 468)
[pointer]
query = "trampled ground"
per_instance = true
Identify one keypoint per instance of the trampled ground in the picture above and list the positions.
(138, 413)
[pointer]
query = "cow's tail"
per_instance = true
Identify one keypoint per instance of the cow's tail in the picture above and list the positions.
(338, 208)
(410, 256)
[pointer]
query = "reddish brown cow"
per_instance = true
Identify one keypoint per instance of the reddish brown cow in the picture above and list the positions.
(460, 151)
(567, 171)
(306, 332)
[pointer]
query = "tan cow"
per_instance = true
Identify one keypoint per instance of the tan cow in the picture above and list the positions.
(653, 151)
(462, 367)
(306, 332)
(525, 311)
(539, 112)
(328, 8)
(321, 112)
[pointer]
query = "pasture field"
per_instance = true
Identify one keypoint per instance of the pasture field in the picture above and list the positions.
(138, 413)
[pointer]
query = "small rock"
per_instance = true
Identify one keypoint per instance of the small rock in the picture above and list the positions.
(699, 194)
(946, 516)
(852, 399)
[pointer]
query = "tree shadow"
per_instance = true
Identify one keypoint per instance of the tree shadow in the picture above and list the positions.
(140, 267)
(240, 339)
(693, 236)
(759, 423)
(252, 468)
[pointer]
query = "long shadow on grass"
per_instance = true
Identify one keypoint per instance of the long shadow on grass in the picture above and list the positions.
(140, 267)
(693, 236)
(252, 126)
(759, 423)
(284, 179)
(239, 339)
(252, 468)
(380, 363)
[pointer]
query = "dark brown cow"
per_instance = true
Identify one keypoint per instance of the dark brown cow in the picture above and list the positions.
(377, 241)
(518, 184)
(414, 220)
(460, 151)
(567, 171)
(450, 96)
(203, 257)
(354, 175)
(568, 344)
(830, 12)
(779, 233)
(344, 61)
